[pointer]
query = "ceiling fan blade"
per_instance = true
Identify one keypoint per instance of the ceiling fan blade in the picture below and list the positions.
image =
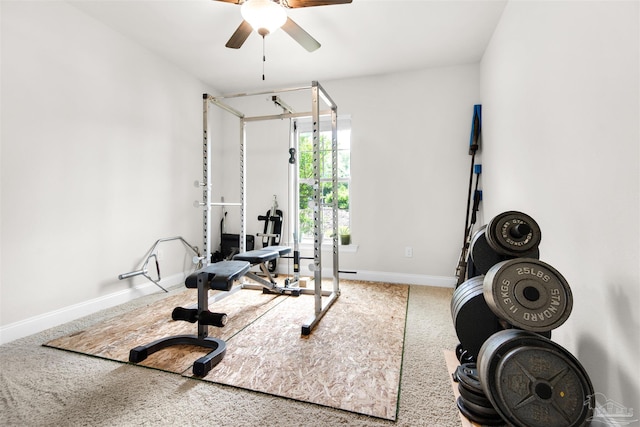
(309, 3)
(239, 36)
(301, 36)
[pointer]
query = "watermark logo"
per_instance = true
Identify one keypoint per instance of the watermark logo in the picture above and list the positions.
(609, 412)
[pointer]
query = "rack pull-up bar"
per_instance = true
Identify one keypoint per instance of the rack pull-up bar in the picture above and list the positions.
(283, 116)
(266, 92)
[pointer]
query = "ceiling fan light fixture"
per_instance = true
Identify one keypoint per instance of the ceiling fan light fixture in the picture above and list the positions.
(264, 16)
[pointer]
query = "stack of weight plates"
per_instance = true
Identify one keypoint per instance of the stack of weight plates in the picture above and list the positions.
(473, 402)
(533, 382)
(473, 320)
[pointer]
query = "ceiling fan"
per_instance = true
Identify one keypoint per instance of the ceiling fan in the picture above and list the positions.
(266, 16)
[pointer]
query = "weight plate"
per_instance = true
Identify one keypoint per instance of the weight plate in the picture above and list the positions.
(473, 320)
(462, 291)
(479, 409)
(467, 375)
(532, 381)
(473, 397)
(478, 418)
(491, 350)
(528, 294)
(513, 233)
(482, 255)
(546, 334)
(459, 351)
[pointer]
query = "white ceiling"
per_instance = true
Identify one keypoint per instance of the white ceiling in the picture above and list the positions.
(366, 37)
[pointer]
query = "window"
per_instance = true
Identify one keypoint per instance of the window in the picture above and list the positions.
(305, 171)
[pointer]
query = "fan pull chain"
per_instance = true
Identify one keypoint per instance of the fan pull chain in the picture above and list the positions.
(264, 57)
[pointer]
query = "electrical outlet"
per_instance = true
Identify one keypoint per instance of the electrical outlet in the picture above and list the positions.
(408, 252)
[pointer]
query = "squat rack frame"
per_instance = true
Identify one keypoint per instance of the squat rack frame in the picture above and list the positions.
(317, 94)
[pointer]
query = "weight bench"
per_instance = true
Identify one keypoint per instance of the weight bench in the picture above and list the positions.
(219, 276)
(262, 257)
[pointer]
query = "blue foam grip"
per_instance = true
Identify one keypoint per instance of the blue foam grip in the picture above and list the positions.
(477, 169)
(479, 192)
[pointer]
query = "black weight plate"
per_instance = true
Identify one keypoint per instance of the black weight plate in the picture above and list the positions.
(467, 357)
(460, 294)
(477, 418)
(513, 233)
(546, 334)
(532, 381)
(471, 388)
(463, 355)
(474, 321)
(472, 271)
(473, 397)
(479, 409)
(489, 355)
(467, 375)
(482, 255)
(529, 294)
(459, 351)
(527, 390)
(463, 293)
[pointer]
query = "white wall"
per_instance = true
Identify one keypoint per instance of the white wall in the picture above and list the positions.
(101, 144)
(559, 84)
(410, 164)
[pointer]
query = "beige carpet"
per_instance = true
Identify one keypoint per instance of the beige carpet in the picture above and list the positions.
(45, 387)
(352, 360)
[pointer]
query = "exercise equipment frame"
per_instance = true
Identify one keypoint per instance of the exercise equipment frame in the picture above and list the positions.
(317, 94)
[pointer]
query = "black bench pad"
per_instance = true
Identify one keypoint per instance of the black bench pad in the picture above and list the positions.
(282, 250)
(257, 256)
(220, 275)
(260, 256)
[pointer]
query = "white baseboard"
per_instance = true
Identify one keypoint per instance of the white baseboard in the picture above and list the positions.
(39, 323)
(381, 276)
(401, 278)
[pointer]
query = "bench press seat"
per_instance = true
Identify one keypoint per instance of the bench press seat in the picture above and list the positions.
(259, 256)
(219, 276)
(282, 250)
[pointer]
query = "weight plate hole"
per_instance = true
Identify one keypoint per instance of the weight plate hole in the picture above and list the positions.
(544, 391)
(519, 231)
(531, 293)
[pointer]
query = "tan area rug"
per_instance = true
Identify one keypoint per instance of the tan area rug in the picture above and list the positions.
(351, 361)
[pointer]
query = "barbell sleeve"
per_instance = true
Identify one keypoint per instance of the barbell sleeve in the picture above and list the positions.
(131, 274)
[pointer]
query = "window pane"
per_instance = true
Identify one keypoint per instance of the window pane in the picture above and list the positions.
(306, 195)
(344, 164)
(305, 156)
(325, 157)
